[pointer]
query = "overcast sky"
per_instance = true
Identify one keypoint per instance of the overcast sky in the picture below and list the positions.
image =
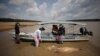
(50, 9)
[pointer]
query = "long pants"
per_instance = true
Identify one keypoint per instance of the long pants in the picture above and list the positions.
(17, 38)
(59, 38)
(36, 41)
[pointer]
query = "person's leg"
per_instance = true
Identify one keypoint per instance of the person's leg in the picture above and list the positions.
(36, 42)
(62, 37)
(17, 39)
(57, 39)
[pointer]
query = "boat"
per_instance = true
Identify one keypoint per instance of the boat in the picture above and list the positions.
(48, 36)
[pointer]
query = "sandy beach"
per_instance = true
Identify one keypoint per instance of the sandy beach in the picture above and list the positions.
(70, 27)
(9, 48)
(10, 25)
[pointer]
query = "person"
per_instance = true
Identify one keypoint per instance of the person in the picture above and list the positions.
(61, 33)
(83, 30)
(55, 32)
(17, 32)
(37, 36)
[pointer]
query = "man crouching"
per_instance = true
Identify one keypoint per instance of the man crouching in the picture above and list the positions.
(37, 36)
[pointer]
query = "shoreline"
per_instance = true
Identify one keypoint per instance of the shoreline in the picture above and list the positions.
(10, 25)
(9, 48)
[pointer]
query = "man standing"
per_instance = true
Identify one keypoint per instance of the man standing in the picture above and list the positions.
(17, 32)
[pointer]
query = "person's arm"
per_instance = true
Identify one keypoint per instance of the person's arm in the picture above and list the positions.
(39, 35)
(64, 30)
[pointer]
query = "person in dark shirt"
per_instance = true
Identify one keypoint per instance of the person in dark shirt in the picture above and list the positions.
(61, 33)
(61, 30)
(55, 32)
(17, 32)
(83, 30)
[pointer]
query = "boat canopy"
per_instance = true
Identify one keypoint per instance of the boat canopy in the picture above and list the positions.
(61, 22)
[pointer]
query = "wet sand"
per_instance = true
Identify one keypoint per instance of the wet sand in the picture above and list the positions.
(9, 48)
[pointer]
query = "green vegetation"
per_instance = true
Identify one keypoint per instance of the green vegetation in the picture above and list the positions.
(16, 20)
(81, 20)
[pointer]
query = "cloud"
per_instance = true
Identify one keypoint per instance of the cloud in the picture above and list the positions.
(38, 11)
(16, 2)
(2, 6)
(19, 2)
(58, 10)
(7, 12)
(12, 15)
(34, 10)
(88, 10)
(75, 9)
(22, 3)
(3, 10)
(58, 7)
(31, 8)
(43, 9)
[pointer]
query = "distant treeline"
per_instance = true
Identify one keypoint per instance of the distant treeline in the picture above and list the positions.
(16, 20)
(86, 20)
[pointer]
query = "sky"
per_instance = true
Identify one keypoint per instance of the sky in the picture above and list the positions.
(45, 10)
